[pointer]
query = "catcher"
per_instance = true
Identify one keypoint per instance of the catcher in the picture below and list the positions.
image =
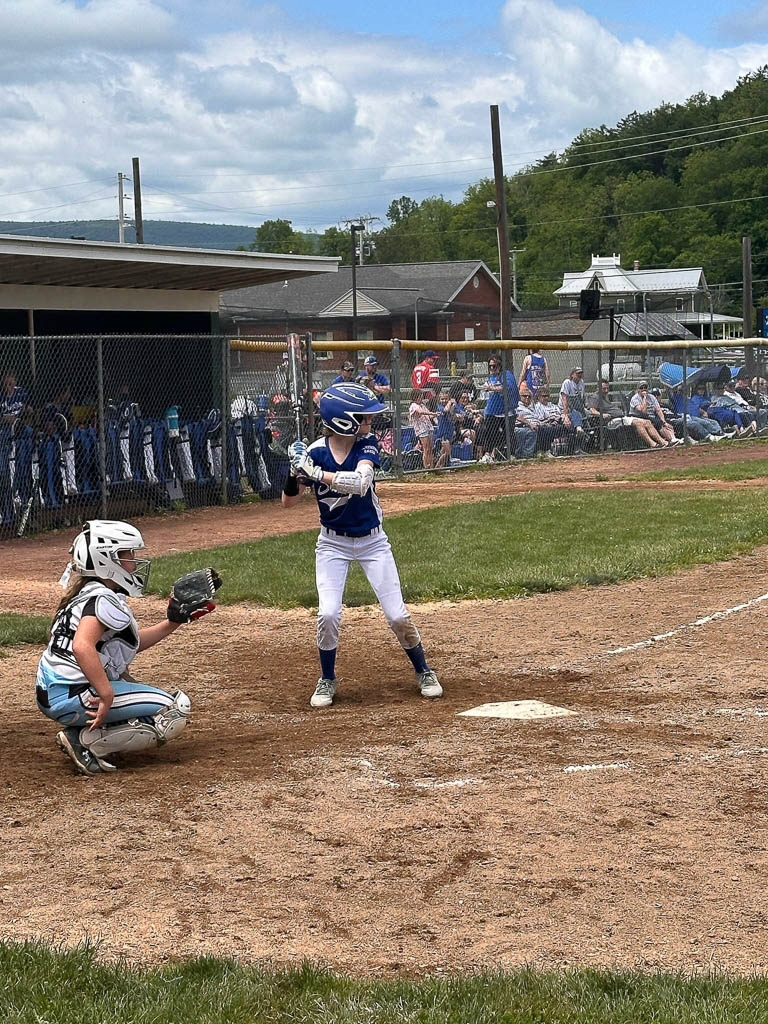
(83, 682)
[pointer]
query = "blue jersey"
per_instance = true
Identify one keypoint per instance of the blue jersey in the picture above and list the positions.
(495, 404)
(446, 424)
(347, 513)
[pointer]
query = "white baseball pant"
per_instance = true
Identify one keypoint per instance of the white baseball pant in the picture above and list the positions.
(333, 556)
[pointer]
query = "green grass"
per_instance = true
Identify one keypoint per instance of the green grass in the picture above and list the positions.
(725, 471)
(23, 629)
(507, 547)
(44, 986)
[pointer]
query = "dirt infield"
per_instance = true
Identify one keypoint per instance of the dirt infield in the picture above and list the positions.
(387, 834)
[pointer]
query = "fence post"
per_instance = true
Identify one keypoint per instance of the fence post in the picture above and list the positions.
(685, 395)
(600, 398)
(398, 423)
(505, 393)
(101, 430)
(310, 387)
(224, 419)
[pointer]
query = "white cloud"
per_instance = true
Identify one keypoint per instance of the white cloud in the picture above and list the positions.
(290, 106)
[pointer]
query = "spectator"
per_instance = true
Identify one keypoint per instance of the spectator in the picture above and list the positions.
(14, 401)
(549, 416)
(467, 419)
(535, 372)
(464, 385)
(600, 405)
(728, 407)
(491, 434)
(526, 425)
(347, 373)
(701, 426)
(426, 374)
(760, 390)
(422, 419)
(646, 406)
(572, 400)
(731, 389)
(445, 428)
(375, 382)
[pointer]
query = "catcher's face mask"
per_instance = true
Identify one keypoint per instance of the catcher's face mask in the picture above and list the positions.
(138, 568)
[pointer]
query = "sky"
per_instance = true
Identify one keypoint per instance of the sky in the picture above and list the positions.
(320, 113)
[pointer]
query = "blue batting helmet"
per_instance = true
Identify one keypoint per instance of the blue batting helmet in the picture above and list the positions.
(342, 405)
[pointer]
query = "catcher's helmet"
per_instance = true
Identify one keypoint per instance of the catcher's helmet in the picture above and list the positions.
(342, 405)
(95, 550)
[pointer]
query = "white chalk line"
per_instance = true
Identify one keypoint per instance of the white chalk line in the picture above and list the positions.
(703, 621)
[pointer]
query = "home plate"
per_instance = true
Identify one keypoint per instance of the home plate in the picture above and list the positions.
(520, 709)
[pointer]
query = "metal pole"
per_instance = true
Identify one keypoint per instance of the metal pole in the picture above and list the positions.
(32, 348)
(310, 387)
(600, 398)
(224, 419)
(101, 428)
(501, 225)
(137, 214)
(120, 211)
(685, 395)
(746, 258)
(398, 423)
(647, 351)
(505, 393)
(416, 320)
(353, 229)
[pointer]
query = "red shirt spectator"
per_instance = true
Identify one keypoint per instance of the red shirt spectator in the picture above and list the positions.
(426, 374)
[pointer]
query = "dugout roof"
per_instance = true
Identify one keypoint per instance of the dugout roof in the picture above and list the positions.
(72, 263)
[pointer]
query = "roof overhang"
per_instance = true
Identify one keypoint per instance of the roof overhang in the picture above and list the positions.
(65, 263)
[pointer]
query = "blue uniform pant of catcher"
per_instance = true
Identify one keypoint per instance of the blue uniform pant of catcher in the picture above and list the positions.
(132, 700)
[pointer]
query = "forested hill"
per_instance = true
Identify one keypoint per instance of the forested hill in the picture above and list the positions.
(670, 187)
(156, 232)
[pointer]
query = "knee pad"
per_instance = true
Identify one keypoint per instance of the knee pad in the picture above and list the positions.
(169, 722)
(405, 631)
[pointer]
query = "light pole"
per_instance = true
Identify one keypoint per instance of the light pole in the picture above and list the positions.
(353, 230)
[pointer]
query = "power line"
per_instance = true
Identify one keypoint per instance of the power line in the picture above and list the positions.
(59, 206)
(50, 188)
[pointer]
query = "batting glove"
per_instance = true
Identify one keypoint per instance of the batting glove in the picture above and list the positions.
(308, 469)
(297, 452)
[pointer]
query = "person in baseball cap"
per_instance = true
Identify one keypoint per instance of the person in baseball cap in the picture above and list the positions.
(374, 380)
(426, 373)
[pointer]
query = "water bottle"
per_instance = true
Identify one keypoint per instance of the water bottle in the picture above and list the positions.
(172, 420)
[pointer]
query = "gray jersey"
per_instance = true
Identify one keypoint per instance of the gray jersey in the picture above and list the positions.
(117, 647)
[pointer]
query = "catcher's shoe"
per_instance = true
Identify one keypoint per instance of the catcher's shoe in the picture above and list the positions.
(429, 684)
(324, 693)
(86, 762)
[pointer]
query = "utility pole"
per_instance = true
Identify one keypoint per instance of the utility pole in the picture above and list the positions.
(137, 217)
(121, 207)
(353, 230)
(746, 260)
(514, 253)
(501, 225)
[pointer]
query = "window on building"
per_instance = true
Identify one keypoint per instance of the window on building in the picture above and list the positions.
(621, 305)
(318, 337)
(574, 304)
(469, 334)
(680, 304)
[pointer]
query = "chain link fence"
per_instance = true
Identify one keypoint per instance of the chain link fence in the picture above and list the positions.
(117, 426)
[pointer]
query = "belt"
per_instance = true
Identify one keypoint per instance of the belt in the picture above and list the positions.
(348, 533)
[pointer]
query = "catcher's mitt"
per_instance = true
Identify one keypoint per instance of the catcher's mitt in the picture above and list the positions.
(192, 595)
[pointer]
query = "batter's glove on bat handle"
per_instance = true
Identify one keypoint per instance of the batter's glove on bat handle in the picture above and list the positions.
(297, 452)
(192, 595)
